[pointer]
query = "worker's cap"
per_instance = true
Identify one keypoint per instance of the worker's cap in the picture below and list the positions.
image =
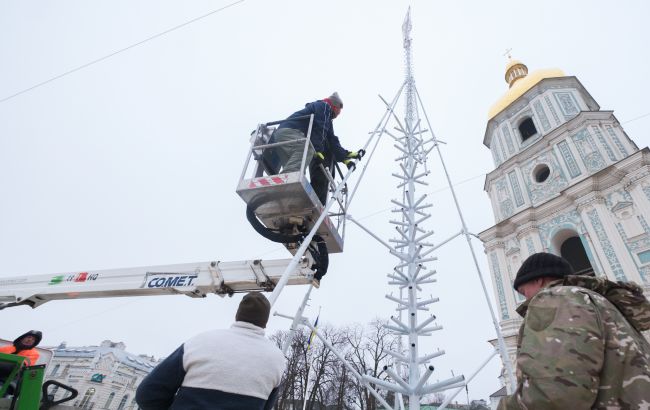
(542, 265)
(254, 308)
(335, 100)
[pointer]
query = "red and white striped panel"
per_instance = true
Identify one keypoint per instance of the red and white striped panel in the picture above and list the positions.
(268, 181)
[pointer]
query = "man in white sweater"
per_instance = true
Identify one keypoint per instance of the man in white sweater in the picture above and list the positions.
(224, 369)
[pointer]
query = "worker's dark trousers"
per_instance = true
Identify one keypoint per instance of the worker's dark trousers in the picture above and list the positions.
(319, 181)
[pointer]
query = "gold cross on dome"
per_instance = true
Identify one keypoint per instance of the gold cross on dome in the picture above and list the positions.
(507, 53)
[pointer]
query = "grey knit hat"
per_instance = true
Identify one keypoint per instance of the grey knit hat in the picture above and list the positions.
(254, 308)
(542, 265)
(336, 100)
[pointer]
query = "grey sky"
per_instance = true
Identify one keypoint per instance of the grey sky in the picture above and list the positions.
(134, 161)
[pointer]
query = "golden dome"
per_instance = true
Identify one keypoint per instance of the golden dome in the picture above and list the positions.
(519, 84)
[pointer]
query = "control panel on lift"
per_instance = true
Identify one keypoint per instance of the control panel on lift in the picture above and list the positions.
(285, 202)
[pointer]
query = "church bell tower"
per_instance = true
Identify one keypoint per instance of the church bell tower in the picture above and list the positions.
(567, 180)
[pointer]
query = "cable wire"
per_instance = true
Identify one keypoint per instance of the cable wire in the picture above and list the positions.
(445, 188)
(81, 67)
(637, 118)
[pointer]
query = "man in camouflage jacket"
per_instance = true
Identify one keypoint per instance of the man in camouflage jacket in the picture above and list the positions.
(580, 345)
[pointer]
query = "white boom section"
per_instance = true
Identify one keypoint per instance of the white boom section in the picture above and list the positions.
(191, 279)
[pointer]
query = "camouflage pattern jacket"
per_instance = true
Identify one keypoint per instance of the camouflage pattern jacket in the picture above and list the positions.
(580, 347)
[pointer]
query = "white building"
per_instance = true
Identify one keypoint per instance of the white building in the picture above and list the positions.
(106, 376)
(567, 180)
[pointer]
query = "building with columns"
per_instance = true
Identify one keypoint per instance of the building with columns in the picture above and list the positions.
(567, 180)
(106, 376)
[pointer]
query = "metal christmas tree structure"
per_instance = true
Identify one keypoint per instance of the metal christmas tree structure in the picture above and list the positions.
(414, 141)
(412, 250)
(410, 371)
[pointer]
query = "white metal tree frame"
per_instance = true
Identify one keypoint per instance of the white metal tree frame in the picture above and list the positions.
(414, 143)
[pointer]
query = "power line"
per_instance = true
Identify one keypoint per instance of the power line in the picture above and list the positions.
(445, 188)
(81, 67)
(83, 318)
(637, 118)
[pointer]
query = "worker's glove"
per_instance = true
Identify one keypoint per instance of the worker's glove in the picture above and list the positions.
(356, 154)
(350, 164)
(319, 157)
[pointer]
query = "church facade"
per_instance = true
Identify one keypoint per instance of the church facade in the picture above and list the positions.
(567, 180)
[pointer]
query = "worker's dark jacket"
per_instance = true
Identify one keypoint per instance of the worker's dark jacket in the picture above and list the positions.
(322, 133)
(236, 368)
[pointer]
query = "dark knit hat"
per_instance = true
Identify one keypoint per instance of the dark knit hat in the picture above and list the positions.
(254, 308)
(335, 100)
(542, 265)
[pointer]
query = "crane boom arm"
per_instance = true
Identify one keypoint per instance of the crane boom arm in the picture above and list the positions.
(191, 279)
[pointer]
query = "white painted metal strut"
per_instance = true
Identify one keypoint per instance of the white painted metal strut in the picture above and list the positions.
(306, 241)
(297, 320)
(451, 397)
(379, 129)
(505, 357)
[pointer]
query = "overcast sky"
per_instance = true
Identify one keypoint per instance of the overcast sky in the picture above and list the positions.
(134, 160)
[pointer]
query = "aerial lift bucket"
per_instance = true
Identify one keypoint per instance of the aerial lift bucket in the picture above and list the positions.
(286, 202)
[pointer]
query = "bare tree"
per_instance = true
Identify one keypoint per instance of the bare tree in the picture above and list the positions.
(439, 397)
(293, 380)
(434, 398)
(323, 362)
(315, 374)
(369, 348)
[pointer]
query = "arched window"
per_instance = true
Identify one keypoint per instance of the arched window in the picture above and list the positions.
(85, 402)
(527, 128)
(123, 402)
(573, 251)
(110, 399)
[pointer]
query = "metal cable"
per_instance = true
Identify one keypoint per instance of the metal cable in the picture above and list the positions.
(81, 67)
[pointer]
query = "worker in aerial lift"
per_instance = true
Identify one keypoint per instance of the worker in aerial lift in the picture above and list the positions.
(325, 143)
(223, 369)
(25, 345)
(580, 345)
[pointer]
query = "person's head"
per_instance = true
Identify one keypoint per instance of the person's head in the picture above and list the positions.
(538, 270)
(254, 308)
(335, 102)
(28, 340)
